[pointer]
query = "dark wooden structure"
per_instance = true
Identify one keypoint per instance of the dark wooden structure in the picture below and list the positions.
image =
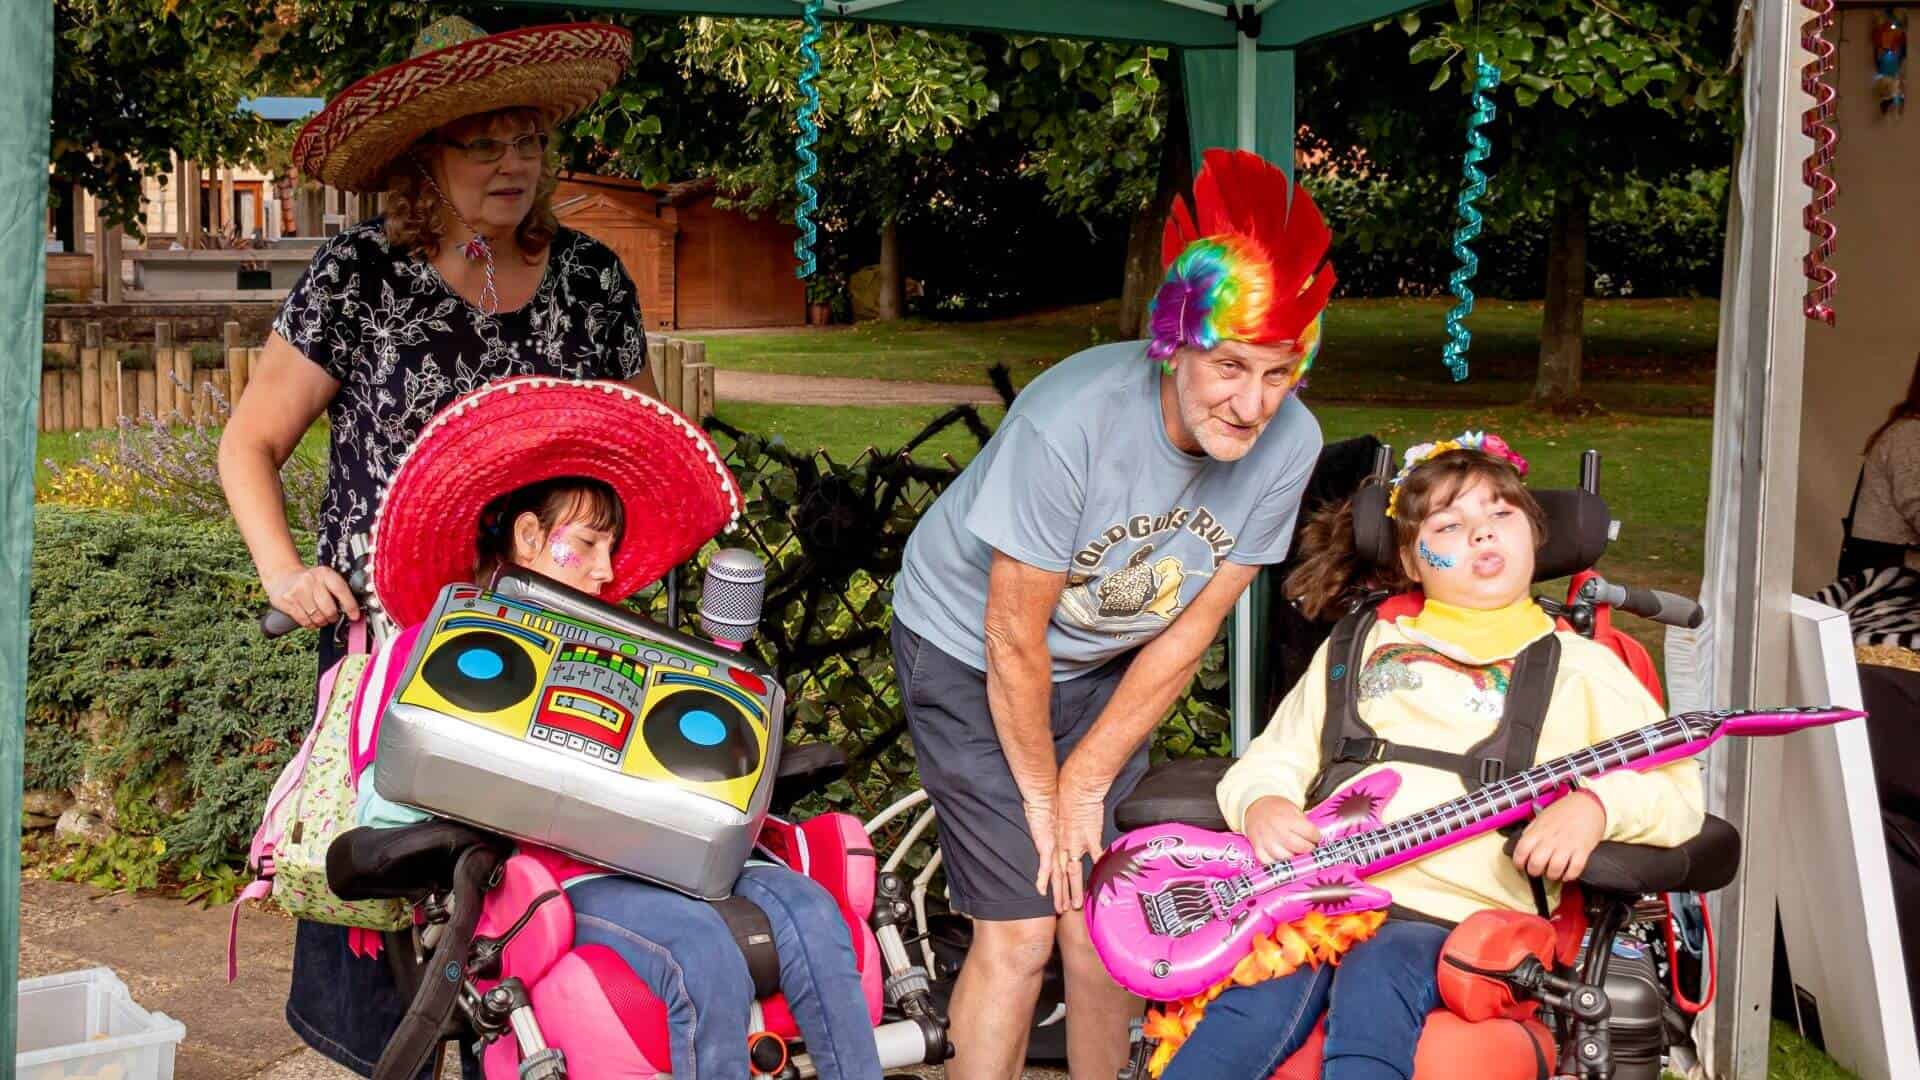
(697, 266)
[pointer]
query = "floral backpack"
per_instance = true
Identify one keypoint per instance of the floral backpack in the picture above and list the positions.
(313, 802)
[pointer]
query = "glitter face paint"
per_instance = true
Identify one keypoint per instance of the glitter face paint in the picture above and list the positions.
(561, 552)
(1435, 559)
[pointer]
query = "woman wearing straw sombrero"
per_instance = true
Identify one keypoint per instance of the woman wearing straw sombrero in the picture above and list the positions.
(464, 278)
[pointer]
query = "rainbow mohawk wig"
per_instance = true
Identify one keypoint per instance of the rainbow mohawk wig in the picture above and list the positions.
(1247, 264)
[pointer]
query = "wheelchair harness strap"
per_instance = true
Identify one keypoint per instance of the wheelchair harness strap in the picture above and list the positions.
(1348, 745)
(753, 933)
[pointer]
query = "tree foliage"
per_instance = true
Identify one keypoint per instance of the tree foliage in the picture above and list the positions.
(135, 80)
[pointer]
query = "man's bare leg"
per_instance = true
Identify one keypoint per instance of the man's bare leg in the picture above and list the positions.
(1099, 1010)
(993, 1000)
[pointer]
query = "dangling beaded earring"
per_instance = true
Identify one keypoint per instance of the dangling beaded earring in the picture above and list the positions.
(476, 249)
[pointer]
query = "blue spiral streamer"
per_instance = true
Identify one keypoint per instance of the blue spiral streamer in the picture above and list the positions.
(809, 134)
(1486, 77)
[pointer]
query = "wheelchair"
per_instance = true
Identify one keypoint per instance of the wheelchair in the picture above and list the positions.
(491, 962)
(1591, 992)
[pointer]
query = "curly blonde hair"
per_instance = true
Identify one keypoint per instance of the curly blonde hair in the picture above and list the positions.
(416, 215)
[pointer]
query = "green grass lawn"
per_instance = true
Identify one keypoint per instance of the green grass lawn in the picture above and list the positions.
(1790, 1057)
(1654, 470)
(1647, 355)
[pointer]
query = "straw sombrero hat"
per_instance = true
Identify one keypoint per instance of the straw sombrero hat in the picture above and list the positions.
(674, 489)
(457, 70)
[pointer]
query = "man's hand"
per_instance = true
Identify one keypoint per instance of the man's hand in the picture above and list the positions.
(1278, 829)
(1557, 844)
(1040, 824)
(1081, 825)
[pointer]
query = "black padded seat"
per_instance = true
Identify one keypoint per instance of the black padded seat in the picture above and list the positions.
(403, 863)
(1179, 791)
(804, 769)
(1702, 864)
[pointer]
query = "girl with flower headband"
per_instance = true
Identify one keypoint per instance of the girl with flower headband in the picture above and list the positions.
(1433, 685)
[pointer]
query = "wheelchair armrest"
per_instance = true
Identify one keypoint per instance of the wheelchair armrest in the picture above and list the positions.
(404, 863)
(1176, 791)
(1702, 864)
(804, 769)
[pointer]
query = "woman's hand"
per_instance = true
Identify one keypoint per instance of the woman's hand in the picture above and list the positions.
(1278, 829)
(286, 394)
(1557, 844)
(312, 596)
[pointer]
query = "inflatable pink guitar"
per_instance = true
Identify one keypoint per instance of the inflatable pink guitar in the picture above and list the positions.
(1172, 908)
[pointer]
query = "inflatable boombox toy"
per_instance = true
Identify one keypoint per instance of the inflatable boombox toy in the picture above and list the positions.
(540, 712)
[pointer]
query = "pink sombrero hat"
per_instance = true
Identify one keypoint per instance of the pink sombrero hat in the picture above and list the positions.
(675, 490)
(457, 70)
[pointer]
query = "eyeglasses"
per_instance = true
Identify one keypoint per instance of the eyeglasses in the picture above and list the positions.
(486, 151)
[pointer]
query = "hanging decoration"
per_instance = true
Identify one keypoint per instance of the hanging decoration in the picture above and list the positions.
(1889, 41)
(809, 134)
(1486, 77)
(1817, 124)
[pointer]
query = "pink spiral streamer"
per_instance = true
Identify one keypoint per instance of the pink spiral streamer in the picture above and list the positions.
(1817, 124)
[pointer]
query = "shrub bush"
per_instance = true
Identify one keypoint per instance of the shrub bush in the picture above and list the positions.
(147, 674)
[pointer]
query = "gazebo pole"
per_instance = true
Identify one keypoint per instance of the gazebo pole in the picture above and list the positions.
(1243, 98)
(1763, 435)
(26, 82)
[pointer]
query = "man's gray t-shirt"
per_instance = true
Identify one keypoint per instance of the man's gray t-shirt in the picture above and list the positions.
(1082, 477)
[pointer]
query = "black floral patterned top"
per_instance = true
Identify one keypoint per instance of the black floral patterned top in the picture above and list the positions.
(404, 345)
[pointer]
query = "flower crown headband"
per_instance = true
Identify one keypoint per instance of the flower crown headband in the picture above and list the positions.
(1486, 442)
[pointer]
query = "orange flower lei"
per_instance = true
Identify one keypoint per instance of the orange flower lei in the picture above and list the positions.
(1314, 940)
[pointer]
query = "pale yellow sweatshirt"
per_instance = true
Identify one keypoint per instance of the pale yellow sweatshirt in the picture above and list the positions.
(1419, 687)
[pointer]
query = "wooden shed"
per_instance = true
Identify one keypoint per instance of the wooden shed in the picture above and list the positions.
(697, 266)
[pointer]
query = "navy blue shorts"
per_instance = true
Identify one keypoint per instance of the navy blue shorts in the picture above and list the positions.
(985, 847)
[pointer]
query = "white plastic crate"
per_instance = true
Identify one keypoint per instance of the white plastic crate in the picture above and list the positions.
(83, 1025)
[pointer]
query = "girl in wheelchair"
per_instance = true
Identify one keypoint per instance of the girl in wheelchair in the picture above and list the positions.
(1433, 688)
(577, 525)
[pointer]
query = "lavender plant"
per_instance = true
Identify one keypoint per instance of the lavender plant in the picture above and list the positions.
(155, 466)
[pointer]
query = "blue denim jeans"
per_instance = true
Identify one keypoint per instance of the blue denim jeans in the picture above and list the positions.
(682, 949)
(1376, 1000)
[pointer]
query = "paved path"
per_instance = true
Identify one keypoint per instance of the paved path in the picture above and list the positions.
(172, 956)
(821, 390)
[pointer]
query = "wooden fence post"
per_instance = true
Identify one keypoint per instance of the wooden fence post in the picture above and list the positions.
(672, 359)
(52, 405)
(50, 399)
(70, 399)
(696, 384)
(235, 371)
(241, 372)
(171, 403)
(89, 369)
(127, 390)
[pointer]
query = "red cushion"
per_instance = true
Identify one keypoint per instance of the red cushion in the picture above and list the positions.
(834, 850)
(1453, 1049)
(1494, 941)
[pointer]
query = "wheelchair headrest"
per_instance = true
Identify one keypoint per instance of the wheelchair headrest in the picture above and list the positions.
(1577, 525)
